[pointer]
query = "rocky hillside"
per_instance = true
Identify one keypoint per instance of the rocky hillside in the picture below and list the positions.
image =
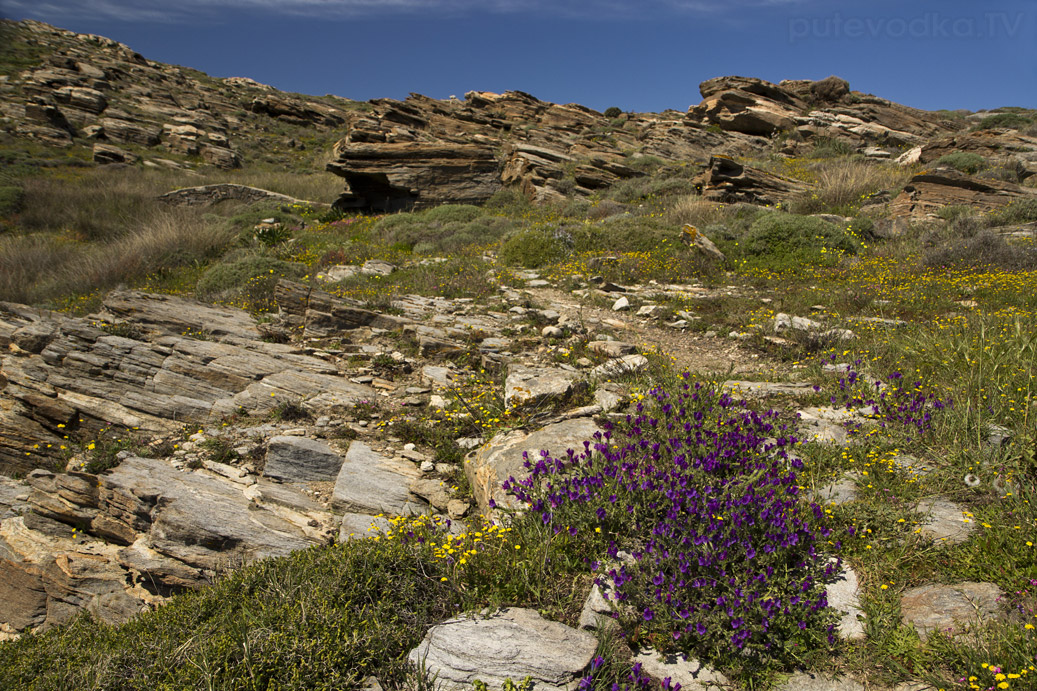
(750, 382)
(100, 99)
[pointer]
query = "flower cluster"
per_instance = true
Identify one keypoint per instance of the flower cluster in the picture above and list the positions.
(892, 403)
(727, 557)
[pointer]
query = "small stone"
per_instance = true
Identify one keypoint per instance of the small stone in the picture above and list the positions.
(621, 304)
(456, 508)
(552, 332)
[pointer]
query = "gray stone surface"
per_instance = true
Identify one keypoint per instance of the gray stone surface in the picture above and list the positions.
(372, 483)
(539, 386)
(944, 521)
(949, 608)
(841, 491)
(765, 388)
(691, 674)
(806, 681)
(501, 457)
(299, 459)
(612, 348)
(142, 521)
(513, 644)
(628, 364)
(359, 525)
(843, 596)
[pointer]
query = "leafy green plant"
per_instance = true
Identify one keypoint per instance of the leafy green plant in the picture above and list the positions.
(781, 239)
(1013, 121)
(966, 162)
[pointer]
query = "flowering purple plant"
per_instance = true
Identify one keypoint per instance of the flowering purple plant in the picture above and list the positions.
(893, 403)
(729, 562)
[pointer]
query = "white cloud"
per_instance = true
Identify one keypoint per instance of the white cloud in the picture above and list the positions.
(186, 10)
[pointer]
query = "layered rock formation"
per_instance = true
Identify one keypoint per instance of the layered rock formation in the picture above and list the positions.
(422, 152)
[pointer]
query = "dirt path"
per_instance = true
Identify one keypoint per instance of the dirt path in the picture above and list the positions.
(691, 351)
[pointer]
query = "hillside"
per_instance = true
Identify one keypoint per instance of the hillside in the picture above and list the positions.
(302, 392)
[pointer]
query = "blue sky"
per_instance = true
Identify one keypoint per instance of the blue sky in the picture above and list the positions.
(643, 56)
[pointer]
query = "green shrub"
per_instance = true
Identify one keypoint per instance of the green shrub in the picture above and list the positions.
(787, 240)
(508, 200)
(1012, 121)
(247, 280)
(825, 147)
(1023, 211)
(532, 249)
(612, 112)
(966, 162)
(623, 234)
(453, 213)
(983, 249)
(11, 199)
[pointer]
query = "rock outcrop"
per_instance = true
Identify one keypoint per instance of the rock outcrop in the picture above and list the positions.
(422, 152)
(92, 92)
(928, 192)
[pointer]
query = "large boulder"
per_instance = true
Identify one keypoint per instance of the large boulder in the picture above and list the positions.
(504, 456)
(747, 105)
(511, 645)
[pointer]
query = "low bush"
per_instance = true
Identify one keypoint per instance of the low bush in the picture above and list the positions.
(247, 280)
(1012, 121)
(1021, 211)
(781, 239)
(825, 147)
(11, 199)
(843, 186)
(532, 249)
(984, 249)
(964, 161)
(728, 564)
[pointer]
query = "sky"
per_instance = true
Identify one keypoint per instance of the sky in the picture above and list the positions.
(639, 56)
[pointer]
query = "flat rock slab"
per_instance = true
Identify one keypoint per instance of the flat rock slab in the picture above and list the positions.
(533, 386)
(691, 674)
(949, 608)
(202, 522)
(842, 491)
(767, 388)
(612, 348)
(843, 596)
(356, 526)
(177, 315)
(299, 459)
(513, 644)
(370, 483)
(803, 681)
(944, 521)
(628, 364)
(501, 457)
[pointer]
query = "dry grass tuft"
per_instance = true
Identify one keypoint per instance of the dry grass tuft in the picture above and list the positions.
(843, 185)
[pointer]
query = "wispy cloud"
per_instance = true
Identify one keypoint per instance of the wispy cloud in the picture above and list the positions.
(188, 10)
